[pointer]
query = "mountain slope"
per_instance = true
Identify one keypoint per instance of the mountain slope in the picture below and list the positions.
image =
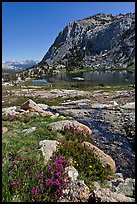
(19, 65)
(99, 41)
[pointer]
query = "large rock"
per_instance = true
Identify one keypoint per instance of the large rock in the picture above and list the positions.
(10, 117)
(31, 105)
(104, 158)
(72, 126)
(39, 108)
(9, 110)
(109, 105)
(47, 114)
(101, 194)
(30, 130)
(4, 130)
(127, 187)
(123, 186)
(76, 190)
(10, 113)
(72, 173)
(48, 147)
(129, 105)
(43, 106)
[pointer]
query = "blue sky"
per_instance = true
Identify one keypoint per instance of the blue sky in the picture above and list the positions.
(30, 28)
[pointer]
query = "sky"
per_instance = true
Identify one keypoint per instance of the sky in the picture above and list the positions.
(30, 28)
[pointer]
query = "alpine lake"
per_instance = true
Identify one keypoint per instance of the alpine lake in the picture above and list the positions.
(88, 79)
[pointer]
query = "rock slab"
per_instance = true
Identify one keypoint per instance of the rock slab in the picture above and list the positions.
(104, 158)
(47, 148)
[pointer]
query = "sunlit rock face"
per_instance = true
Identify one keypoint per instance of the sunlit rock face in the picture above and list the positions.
(99, 41)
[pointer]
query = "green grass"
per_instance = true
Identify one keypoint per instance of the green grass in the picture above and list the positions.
(107, 88)
(16, 144)
(88, 166)
(22, 160)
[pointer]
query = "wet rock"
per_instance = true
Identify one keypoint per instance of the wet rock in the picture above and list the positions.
(82, 113)
(122, 122)
(104, 158)
(48, 147)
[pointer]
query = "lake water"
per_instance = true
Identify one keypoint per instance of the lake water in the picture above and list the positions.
(93, 78)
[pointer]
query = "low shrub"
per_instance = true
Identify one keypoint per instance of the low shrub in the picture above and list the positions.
(89, 166)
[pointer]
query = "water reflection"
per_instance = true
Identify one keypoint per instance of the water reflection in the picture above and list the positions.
(95, 78)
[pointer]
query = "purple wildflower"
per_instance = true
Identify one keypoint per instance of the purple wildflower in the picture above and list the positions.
(49, 167)
(41, 188)
(33, 191)
(62, 182)
(59, 173)
(56, 182)
(19, 159)
(60, 193)
(40, 176)
(52, 173)
(49, 182)
(58, 166)
(15, 183)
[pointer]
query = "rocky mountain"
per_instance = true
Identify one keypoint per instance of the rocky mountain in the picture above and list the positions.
(98, 41)
(18, 64)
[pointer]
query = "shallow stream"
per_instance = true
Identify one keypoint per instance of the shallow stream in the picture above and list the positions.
(115, 145)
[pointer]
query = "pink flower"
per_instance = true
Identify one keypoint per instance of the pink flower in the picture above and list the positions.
(58, 166)
(36, 189)
(49, 182)
(15, 183)
(56, 182)
(40, 176)
(41, 188)
(59, 173)
(33, 191)
(60, 193)
(49, 167)
(52, 173)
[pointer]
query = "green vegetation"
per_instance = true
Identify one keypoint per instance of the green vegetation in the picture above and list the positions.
(128, 69)
(22, 159)
(108, 88)
(25, 177)
(89, 167)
